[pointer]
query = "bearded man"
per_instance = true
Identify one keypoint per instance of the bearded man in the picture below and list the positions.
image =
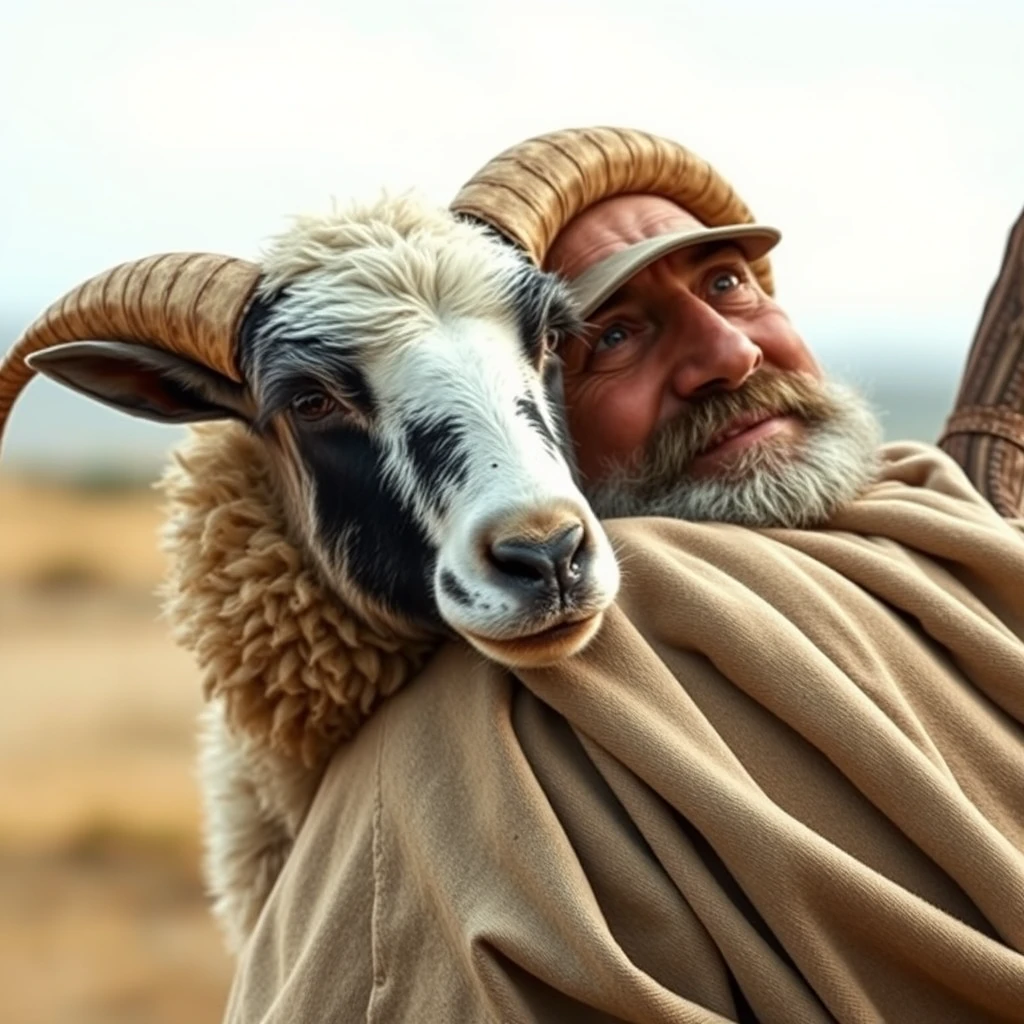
(691, 394)
(784, 783)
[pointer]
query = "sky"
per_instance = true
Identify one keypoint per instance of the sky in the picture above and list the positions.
(884, 139)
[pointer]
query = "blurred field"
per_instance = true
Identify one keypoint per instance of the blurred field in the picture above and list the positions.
(102, 914)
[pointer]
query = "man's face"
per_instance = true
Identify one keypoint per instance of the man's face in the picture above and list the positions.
(692, 394)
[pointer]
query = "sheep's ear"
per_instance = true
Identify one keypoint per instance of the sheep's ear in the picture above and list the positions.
(143, 381)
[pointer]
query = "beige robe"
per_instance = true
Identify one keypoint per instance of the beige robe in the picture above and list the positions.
(785, 784)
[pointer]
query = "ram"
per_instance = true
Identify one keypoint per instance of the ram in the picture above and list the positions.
(391, 374)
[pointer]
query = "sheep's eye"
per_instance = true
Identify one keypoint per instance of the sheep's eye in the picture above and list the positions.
(313, 405)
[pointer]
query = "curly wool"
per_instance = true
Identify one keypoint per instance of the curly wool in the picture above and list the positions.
(297, 671)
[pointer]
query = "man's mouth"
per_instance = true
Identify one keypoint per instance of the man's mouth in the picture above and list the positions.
(743, 431)
(740, 425)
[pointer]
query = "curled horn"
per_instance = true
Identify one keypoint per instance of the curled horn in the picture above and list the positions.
(190, 304)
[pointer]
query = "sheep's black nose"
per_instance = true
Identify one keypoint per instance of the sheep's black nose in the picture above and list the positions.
(549, 565)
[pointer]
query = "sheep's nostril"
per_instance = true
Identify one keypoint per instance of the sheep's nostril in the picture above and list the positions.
(521, 560)
(553, 563)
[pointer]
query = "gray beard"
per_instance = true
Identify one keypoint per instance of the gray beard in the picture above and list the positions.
(776, 483)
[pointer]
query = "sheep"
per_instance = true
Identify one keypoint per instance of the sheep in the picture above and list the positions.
(390, 388)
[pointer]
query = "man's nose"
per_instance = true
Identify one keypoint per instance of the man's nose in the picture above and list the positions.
(714, 355)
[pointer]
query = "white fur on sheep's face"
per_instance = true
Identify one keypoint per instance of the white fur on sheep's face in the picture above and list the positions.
(401, 367)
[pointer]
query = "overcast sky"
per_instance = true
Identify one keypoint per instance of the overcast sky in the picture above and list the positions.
(886, 140)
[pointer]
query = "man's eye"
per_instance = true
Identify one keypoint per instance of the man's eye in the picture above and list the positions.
(313, 405)
(724, 282)
(611, 338)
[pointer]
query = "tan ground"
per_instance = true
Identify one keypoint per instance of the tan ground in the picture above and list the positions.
(102, 916)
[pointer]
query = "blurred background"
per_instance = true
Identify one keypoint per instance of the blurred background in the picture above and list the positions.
(883, 139)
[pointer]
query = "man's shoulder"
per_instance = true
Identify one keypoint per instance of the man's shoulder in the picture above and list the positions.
(908, 466)
(918, 487)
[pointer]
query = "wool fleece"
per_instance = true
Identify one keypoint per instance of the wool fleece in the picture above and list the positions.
(785, 784)
(297, 670)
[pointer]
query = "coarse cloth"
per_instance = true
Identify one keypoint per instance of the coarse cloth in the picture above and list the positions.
(985, 431)
(784, 784)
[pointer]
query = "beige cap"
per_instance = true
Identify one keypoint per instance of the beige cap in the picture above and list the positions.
(598, 282)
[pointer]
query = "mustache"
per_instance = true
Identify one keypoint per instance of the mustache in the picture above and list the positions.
(671, 450)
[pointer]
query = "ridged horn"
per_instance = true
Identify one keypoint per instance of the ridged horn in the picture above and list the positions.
(532, 190)
(190, 304)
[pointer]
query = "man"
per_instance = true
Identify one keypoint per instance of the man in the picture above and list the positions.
(784, 783)
(692, 395)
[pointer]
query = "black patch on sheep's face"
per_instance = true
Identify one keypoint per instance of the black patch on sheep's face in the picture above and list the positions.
(364, 526)
(253, 346)
(355, 388)
(291, 377)
(283, 367)
(435, 449)
(454, 589)
(542, 310)
(527, 408)
(554, 393)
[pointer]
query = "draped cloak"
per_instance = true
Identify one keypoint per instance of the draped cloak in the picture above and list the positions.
(784, 784)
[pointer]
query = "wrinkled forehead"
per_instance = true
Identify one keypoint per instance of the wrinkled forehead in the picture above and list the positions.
(611, 226)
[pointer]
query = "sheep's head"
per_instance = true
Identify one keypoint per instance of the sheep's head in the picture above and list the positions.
(397, 364)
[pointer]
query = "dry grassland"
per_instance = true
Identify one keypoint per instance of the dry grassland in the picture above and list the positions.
(102, 915)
